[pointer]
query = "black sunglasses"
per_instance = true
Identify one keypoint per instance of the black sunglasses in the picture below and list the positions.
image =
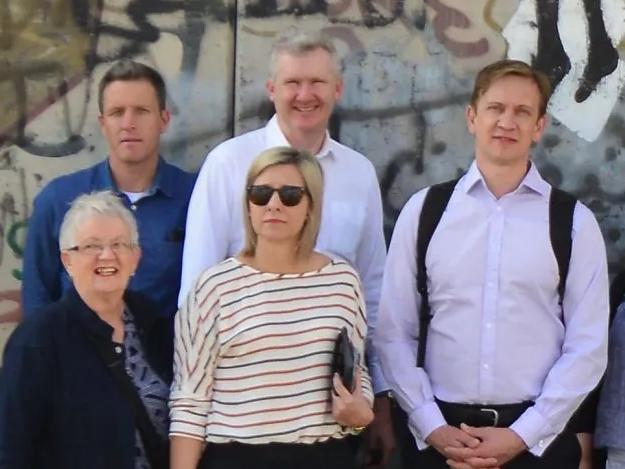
(290, 196)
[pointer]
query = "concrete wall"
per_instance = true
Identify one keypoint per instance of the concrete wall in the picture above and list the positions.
(408, 65)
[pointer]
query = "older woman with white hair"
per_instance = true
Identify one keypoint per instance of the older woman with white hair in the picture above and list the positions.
(253, 375)
(85, 383)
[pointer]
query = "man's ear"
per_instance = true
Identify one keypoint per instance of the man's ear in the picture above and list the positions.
(270, 87)
(165, 119)
(539, 130)
(469, 115)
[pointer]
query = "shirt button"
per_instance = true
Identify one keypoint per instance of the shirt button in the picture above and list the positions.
(485, 365)
(541, 443)
(498, 208)
(133, 207)
(489, 325)
(118, 349)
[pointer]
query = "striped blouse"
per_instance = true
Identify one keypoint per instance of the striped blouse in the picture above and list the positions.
(253, 353)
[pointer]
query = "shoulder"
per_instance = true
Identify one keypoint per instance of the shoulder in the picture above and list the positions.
(214, 279)
(354, 159)
(63, 189)
(178, 173)
(181, 181)
(238, 147)
(584, 221)
(38, 329)
(340, 268)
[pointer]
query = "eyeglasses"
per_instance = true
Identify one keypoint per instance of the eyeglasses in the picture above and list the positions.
(96, 249)
(290, 196)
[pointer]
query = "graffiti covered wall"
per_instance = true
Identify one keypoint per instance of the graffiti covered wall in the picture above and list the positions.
(408, 66)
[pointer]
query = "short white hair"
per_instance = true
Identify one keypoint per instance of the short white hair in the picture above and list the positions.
(86, 206)
(296, 42)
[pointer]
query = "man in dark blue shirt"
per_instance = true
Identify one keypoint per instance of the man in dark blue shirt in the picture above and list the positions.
(133, 116)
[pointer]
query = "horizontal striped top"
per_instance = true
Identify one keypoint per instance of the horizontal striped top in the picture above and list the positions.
(253, 353)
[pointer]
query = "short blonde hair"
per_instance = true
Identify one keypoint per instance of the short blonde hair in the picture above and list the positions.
(502, 68)
(311, 171)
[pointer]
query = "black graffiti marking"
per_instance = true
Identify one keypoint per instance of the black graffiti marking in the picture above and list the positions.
(374, 13)
(413, 157)
(602, 57)
(87, 15)
(551, 57)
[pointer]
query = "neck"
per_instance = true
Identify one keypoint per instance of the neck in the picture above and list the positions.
(276, 257)
(133, 177)
(109, 308)
(310, 141)
(503, 179)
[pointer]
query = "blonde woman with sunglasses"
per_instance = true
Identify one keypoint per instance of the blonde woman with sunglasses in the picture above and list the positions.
(253, 381)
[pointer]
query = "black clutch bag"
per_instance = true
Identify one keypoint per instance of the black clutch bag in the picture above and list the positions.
(344, 361)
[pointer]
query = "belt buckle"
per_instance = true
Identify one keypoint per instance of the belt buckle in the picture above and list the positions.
(494, 413)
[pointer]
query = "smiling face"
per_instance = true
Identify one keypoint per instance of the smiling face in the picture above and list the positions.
(132, 122)
(276, 222)
(304, 90)
(505, 121)
(107, 272)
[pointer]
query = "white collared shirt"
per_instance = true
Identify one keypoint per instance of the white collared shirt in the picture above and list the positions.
(351, 224)
(498, 334)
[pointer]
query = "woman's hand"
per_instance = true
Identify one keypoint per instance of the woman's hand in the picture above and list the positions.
(350, 410)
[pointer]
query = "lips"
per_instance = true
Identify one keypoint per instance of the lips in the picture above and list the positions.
(308, 108)
(505, 139)
(105, 271)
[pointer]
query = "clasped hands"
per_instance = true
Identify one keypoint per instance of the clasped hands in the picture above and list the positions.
(476, 447)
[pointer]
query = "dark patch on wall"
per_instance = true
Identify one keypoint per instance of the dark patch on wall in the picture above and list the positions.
(550, 141)
(610, 154)
(438, 148)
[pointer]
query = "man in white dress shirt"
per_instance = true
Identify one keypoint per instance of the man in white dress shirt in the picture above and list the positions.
(304, 84)
(506, 365)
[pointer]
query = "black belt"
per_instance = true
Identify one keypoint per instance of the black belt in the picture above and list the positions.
(482, 415)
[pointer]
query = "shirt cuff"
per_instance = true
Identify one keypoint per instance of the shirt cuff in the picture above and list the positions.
(534, 430)
(377, 378)
(425, 420)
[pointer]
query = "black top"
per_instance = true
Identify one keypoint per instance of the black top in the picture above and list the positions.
(59, 405)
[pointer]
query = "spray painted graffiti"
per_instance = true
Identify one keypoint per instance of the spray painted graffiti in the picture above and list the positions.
(408, 68)
(585, 69)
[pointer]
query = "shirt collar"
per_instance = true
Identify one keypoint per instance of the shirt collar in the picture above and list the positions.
(275, 138)
(163, 181)
(532, 180)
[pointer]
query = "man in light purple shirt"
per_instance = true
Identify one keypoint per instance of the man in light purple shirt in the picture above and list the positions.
(506, 364)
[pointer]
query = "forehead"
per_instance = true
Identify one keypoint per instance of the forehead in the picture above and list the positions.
(123, 93)
(512, 89)
(314, 62)
(101, 227)
(280, 174)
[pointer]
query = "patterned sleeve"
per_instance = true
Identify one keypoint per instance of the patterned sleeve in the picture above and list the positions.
(196, 347)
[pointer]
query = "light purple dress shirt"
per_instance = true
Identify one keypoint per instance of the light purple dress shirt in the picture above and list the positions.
(498, 334)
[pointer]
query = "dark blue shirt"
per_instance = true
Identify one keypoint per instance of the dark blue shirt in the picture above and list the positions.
(161, 216)
(60, 407)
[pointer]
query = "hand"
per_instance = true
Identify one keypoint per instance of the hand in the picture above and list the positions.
(380, 438)
(496, 444)
(350, 410)
(447, 436)
(585, 444)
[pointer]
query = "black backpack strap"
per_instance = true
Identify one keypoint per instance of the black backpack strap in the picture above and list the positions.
(561, 209)
(434, 205)
(617, 293)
